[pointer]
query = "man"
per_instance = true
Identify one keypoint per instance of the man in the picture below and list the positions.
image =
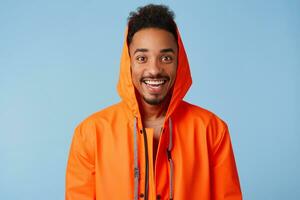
(152, 145)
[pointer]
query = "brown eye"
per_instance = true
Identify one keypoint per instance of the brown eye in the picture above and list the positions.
(166, 59)
(141, 59)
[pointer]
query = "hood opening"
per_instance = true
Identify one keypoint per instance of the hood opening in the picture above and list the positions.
(181, 85)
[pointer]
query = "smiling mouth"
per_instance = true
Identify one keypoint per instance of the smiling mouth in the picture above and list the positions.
(154, 83)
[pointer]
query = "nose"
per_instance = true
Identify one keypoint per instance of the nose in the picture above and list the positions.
(154, 67)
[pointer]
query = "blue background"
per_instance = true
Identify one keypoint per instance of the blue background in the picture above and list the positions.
(59, 62)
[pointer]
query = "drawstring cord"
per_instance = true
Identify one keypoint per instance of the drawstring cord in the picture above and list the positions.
(136, 167)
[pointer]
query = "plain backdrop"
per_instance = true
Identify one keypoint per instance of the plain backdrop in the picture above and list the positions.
(59, 63)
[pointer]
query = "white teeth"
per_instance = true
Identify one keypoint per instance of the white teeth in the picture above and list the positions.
(154, 82)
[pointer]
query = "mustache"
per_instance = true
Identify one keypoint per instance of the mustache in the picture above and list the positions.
(159, 76)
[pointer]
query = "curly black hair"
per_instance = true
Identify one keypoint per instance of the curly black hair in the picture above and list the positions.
(151, 16)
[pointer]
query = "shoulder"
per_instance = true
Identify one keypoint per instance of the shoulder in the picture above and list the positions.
(200, 115)
(101, 118)
(204, 121)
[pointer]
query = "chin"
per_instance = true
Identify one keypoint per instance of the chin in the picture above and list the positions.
(153, 101)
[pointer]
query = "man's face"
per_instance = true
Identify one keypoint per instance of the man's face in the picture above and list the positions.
(153, 57)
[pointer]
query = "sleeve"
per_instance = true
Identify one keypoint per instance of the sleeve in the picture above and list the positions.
(80, 173)
(225, 180)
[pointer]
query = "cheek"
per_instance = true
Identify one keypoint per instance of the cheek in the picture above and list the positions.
(173, 71)
(172, 74)
(135, 76)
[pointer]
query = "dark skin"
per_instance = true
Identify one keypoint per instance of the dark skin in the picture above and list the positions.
(153, 57)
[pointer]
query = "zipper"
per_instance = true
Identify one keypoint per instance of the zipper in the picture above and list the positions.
(146, 165)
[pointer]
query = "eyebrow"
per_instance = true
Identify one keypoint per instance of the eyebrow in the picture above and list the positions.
(167, 50)
(140, 50)
(161, 51)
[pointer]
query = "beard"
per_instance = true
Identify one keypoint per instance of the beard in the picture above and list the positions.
(154, 101)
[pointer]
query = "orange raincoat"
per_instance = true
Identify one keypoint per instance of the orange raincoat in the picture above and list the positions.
(111, 153)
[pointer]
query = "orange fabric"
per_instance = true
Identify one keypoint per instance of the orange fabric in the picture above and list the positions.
(101, 164)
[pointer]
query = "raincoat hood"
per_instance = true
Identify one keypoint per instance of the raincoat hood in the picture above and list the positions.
(182, 82)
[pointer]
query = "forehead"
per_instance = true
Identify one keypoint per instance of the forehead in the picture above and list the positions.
(153, 39)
